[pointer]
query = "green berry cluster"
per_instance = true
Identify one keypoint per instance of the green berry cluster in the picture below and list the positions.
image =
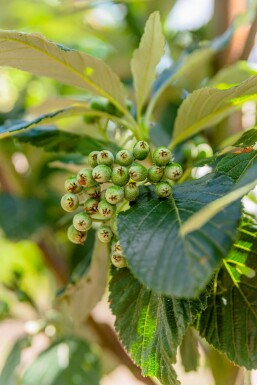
(108, 181)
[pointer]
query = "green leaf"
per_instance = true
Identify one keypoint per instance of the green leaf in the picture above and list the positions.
(8, 374)
(146, 58)
(242, 170)
(150, 326)
(34, 53)
(54, 140)
(156, 253)
(68, 361)
(230, 76)
(189, 351)
(208, 106)
(229, 322)
(249, 138)
(82, 294)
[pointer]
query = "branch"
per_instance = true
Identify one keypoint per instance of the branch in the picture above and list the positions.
(250, 40)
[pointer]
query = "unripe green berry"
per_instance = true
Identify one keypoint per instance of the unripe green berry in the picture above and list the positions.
(71, 185)
(92, 158)
(69, 202)
(124, 158)
(106, 209)
(155, 174)
(82, 221)
(76, 236)
(105, 234)
(102, 173)
(137, 172)
(94, 191)
(117, 248)
(161, 156)
(85, 178)
(91, 206)
(82, 196)
(118, 261)
(120, 176)
(204, 151)
(163, 189)
(173, 171)
(105, 157)
(141, 150)
(131, 191)
(114, 195)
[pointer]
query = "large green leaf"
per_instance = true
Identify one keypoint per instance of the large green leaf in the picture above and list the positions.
(162, 259)
(230, 320)
(34, 53)
(8, 373)
(54, 140)
(146, 58)
(235, 165)
(150, 326)
(208, 106)
(68, 361)
(249, 138)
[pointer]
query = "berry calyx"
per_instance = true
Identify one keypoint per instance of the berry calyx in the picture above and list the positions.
(91, 206)
(117, 248)
(161, 156)
(124, 158)
(105, 157)
(85, 178)
(94, 191)
(120, 176)
(141, 150)
(82, 221)
(118, 261)
(131, 191)
(138, 172)
(71, 185)
(92, 158)
(69, 202)
(102, 173)
(75, 236)
(106, 209)
(173, 171)
(114, 195)
(105, 234)
(155, 174)
(163, 189)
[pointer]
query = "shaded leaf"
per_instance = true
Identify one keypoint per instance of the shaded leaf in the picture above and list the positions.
(229, 322)
(158, 256)
(249, 138)
(146, 58)
(67, 361)
(150, 326)
(208, 106)
(34, 53)
(189, 351)
(235, 165)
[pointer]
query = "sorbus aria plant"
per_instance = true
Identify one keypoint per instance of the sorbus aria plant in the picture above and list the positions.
(157, 209)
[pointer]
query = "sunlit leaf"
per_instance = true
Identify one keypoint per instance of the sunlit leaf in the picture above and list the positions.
(230, 76)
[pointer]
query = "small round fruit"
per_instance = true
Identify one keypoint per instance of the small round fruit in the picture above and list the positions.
(82, 196)
(105, 234)
(105, 157)
(85, 178)
(204, 151)
(120, 176)
(114, 194)
(173, 171)
(163, 189)
(161, 156)
(92, 158)
(71, 185)
(141, 150)
(131, 191)
(76, 236)
(102, 173)
(82, 221)
(137, 172)
(118, 261)
(117, 248)
(106, 209)
(69, 202)
(91, 206)
(94, 191)
(155, 174)
(124, 158)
